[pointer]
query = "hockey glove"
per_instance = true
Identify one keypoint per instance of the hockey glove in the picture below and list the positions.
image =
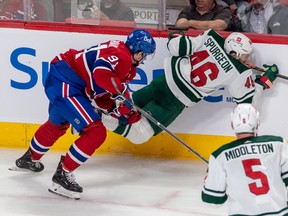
(175, 34)
(268, 77)
(105, 102)
(123, 106)
(132, 118)
(125, 111)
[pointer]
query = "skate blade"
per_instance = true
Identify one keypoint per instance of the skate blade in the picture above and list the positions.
(15, 168)
(59, 190)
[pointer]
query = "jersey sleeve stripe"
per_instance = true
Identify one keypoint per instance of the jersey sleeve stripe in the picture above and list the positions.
(213, 198)
(245, 98)
(285, 178)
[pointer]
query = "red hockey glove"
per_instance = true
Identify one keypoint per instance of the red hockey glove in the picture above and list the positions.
(268, 77)
(123, 106)
(125, 110)
(104, 101)
(132, 118)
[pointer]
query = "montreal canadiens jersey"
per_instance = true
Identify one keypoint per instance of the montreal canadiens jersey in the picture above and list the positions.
(99, 64)
(199, 66)
(252, 174)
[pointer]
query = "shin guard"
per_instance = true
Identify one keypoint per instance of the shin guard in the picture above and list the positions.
(45, 137)
(90, 139)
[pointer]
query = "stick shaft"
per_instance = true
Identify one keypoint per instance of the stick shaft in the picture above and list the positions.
(262, 70)
(282, 76)
(168, 131)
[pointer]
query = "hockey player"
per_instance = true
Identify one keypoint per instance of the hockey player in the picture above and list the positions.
(198, 66)
(75, 79)
(250, 172)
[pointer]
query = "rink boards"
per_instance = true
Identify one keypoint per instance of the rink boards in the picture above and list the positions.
(17, 135)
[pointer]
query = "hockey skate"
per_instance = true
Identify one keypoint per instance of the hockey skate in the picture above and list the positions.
(25, 162)
(64, 183)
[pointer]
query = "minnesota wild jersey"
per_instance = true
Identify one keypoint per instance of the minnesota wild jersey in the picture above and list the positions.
(252, 174)
(199, 66)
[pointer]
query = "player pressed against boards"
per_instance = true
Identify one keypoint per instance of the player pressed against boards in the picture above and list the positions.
(197, 67)
(250, 173)
(75, 80)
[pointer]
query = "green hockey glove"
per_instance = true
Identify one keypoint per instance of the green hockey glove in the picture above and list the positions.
(268, 77)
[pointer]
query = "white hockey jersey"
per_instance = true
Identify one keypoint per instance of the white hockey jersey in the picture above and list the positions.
(252, 174)
(199, 66)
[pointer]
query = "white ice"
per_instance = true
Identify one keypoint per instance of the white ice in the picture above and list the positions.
(113, 186)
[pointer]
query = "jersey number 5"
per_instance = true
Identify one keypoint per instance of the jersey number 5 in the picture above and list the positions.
(256, 175)
(199, 74)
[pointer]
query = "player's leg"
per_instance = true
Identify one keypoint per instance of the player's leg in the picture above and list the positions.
(81, 114)
(161, 105)
(49, 132)
(142, 96)
(140, 131)
(46, 135)
(165, 107)
(137, 133)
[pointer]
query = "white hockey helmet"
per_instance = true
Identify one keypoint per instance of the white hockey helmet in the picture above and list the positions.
(245, 119)
(238, 43)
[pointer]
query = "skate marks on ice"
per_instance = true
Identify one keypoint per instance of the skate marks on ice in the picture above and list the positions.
(113, 186)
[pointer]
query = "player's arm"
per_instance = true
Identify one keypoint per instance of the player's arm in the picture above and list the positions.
(179, 44)
(242, 88)
(105, 77)
(214, 189)
(284, 163)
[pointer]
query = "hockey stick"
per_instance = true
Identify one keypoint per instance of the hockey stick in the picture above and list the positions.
(148, 116)
(262, 70)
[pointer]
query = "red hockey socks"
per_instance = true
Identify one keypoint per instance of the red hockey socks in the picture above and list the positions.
(47, 134)
(90, 139)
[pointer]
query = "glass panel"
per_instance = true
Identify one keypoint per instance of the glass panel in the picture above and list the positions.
(145, 12)
(173, 9)
(62, 10)
(10, 10)
(44, 10)
(150, 13)
(158, 14)
(85, 12)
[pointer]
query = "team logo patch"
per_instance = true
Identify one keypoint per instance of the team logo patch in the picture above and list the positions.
(77, 121)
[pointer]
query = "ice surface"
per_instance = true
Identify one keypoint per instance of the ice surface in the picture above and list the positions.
(113, 186)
